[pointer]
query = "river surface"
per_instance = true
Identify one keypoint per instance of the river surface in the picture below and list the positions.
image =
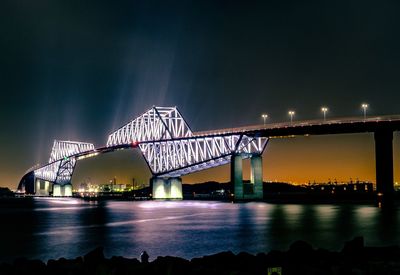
(49, 228)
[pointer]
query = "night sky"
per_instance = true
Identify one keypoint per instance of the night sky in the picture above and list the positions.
(77, 70)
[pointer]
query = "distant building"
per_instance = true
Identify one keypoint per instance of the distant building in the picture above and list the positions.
(350, 187)
(83, 187)
(106, 188)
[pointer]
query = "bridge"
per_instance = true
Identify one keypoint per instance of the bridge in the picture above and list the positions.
(171, 149)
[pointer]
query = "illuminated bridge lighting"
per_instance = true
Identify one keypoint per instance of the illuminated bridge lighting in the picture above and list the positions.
(62, 161)
(172, 149)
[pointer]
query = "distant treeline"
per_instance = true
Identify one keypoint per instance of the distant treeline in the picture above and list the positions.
(5, 192)
(212, 186)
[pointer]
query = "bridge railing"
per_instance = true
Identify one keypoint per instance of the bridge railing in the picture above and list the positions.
(294, 124)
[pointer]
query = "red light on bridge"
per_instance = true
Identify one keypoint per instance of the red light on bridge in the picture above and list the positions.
(135, 144)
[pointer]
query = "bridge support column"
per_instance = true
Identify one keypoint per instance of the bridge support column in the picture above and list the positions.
(247, 191)
(57, 190)
(384, 163)
(62, 190)
(256, 176)
(66, 190)
(176, 188)
(42, 187)
(166, 188)
(237, 176)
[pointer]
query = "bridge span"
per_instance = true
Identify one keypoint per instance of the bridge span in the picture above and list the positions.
(171, 149)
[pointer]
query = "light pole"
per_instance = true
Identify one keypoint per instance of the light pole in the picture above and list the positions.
(364, 106)
(264, 116)
(324, 110)
(291, 114)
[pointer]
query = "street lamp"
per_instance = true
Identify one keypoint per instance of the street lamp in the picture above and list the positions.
(324, 110)
(291, 114)
(364, 106)
(264, 116)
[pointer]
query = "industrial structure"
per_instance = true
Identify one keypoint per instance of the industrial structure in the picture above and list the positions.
(171, 149)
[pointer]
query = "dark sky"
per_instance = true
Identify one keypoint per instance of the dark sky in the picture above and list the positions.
(79, 69)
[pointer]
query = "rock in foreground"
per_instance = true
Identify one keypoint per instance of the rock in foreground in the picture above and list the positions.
(301, 258)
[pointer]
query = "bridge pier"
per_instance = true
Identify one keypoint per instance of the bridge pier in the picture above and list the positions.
(384, 163)
(42, 187)
(66, 190)
(237, 176)
(62, 190)
(166, 188)
(247, 191)
(256, 176)
(56, 190)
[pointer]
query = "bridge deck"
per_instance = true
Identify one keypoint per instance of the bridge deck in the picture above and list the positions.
(312, 127)
(277, 130)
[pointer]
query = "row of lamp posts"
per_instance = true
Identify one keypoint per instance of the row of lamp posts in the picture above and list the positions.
(324, 110)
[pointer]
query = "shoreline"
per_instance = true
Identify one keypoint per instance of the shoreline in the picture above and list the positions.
(300, 258)
(271, 198)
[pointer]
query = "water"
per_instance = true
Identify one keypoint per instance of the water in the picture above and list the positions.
(48, 228)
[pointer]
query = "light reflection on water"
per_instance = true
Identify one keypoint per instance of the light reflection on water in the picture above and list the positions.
(54, 228)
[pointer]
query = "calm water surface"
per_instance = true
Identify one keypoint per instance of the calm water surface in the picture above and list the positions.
(49, 228)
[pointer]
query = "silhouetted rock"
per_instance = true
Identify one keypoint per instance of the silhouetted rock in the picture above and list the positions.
(275, 257)
(219, 259)
(64, 266)
(122, 266)
(25, 266)
(170, 265)
(6, 268)
(356, 244)
(300, 247)
(95, 263)
(376, 253)
(94, 256)
(249, 262)
(300, 251)
(215, 264)
(301, 258)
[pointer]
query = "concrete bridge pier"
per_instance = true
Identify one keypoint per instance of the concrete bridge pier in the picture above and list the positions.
(176, 188)
(256, 176)
(66, 190)
(237, 177)
(56, 190)
(384, 163)
(62, 190)
(247, 191)
(42, 187)
(166, 188)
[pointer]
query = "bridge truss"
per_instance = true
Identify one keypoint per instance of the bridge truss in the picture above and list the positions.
(166, 141)
(171, 149)
(158, 123)
(174, 158)
(62, 161)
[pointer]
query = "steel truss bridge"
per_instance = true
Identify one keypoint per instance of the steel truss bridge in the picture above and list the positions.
(171, 149)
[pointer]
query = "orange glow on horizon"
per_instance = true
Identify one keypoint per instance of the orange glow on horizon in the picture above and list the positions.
(297, 160)
(304, 159)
